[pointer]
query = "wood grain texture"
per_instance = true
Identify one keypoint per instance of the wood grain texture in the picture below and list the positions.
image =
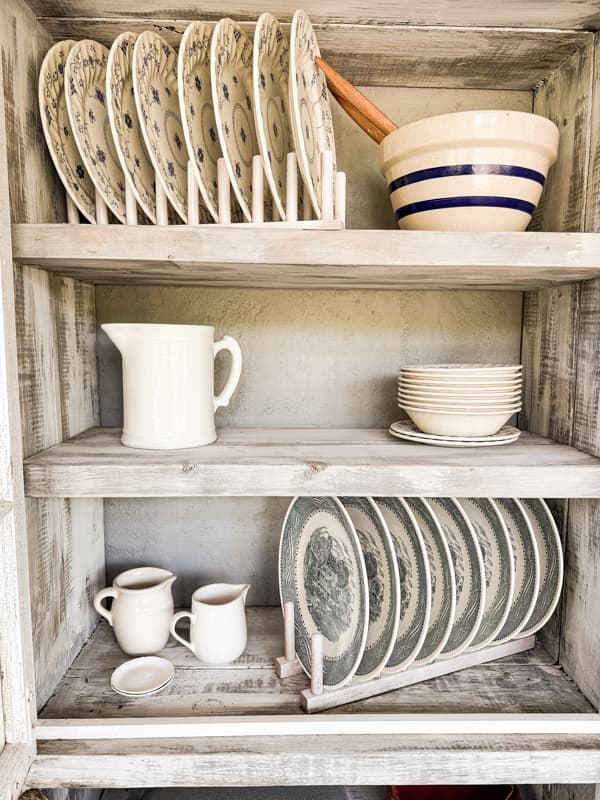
(218, 256)
(15, 760)
(319, 760)
(283, 462)
(566, 14)
(406, 56)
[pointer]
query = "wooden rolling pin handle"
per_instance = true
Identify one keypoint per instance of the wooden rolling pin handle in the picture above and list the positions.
(362, 122)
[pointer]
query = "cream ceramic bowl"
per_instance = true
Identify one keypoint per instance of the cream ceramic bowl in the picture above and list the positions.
(460, 405)
(445, 394)
(468, 171)
(458, 423)
(460, 384)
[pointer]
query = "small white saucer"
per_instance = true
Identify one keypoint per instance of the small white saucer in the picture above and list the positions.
(142, 676)
(405, 429)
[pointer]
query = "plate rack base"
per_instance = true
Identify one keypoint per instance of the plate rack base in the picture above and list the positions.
(333, 199)
(318, 698)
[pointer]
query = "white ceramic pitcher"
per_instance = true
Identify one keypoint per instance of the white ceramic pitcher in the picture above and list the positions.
(218, 632)
(141, 611)
(168, 383)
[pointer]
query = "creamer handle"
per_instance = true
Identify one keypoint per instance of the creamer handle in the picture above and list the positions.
(180, 615)
(110, 591)
(229, 343)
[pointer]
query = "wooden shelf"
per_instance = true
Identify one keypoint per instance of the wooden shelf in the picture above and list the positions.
(284, 462)
(139, 737)
(386, 259)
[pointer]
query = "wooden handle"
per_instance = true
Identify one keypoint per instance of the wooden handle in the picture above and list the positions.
(343, 90)
(360, 119)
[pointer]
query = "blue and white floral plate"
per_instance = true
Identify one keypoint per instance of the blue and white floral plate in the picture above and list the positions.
(127, 134)
(384, 584)
(85, 75)
(271, 69)
(322, 572)
(57, 130)
(312, 122)
(157, 103)
(551, 563)
(443, 584)
(469, 573)
(415, 582)
(498, 563)
(231, 80)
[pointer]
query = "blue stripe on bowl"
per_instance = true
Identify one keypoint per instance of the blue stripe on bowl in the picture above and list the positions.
(466, 169)
(459, 202)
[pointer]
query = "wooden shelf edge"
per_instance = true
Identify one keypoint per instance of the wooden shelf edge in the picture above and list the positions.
(219, 256)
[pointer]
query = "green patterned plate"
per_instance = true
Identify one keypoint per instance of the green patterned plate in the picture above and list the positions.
(322, 571)
(443, 585)
(415, 582)
(551, 564)
(384, 584)
(498, 562)
(468, 573)
(85, 75)
(527, 567)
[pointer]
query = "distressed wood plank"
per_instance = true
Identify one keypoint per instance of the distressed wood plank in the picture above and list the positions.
(465, 58)
(271, 258)
(566, 14)
(319, 760)
(286, 462)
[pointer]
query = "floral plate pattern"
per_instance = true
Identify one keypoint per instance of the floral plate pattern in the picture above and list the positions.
(85, 75)
(322, 572)
(123, 116)
(270, 72)
(231, 81)
(384, 584)
(57, 130)
(312, 123)
(157, 103)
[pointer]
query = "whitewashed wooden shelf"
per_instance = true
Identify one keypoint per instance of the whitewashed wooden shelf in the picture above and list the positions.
(214, 255)
(146, 738)
(320, 461)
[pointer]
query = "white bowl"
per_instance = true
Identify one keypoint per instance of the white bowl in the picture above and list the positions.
(475, 396)
(468, 171)
(459, 405)
(468, 369)
(461, 384)
(457, 423)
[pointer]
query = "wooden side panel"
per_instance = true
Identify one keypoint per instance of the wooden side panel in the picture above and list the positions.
(55, 321)
(580, 643)
(550, 316)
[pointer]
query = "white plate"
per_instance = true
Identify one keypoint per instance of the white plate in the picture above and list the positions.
(85, 73)
(197, 112)
(127, 134)
(57, 130)
(415, 582)
(498, 562)
(140, 676)
(406, 429)
(157, 103)
(469, 369)
(231, 81)
(384, 584)
(443, 585)
(475, 385)
(527, 567)
(270, 79)
(469, 573)
(476, 396)
(458, 405)
(312, 123)
(551, 563)
(147, 694)
(322, 572)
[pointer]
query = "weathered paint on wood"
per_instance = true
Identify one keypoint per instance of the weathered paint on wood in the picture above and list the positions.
(215, 256)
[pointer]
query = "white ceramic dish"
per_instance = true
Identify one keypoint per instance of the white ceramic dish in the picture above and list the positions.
(468, 171)
(458, 423)
(311, 119)
(469, 369)
(459, 405)
(157, 103)
(405, 429)
(85, 72)
(231, 82)
(142, 676)
(270, 80)
(462, 385)
(458, 394)
(57, 130)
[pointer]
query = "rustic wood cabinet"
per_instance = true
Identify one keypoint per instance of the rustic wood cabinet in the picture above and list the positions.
(537, 714)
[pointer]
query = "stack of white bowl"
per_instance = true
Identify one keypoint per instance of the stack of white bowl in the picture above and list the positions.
(462, 400)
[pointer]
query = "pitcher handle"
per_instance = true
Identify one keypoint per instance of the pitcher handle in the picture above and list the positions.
(229, 343)
(180, 615)
(110, 591)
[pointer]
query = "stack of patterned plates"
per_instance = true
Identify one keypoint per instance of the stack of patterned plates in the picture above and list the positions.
(142, 111)
(394, 582)
(462, 402)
